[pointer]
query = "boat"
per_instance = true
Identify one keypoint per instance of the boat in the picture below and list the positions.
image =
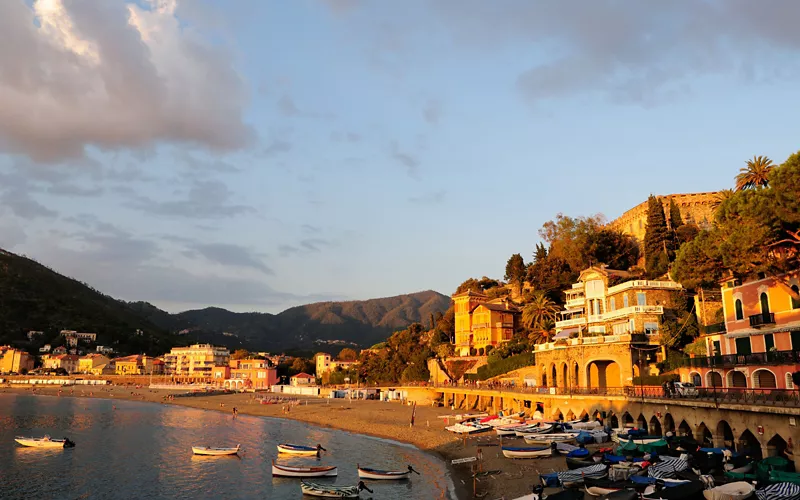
(44, 442)
(534, 429)
(692, 490)
(777, 476)
(546, 439)
(509, 429)
(779, 491)
(298, 449)
(580, 425)
(600, 487)
(578, 458)
(209, 450)
(367, 473)
(637, 440)
(468, 428)
(331, 491)
(573, 478)
(738, 490)
(291, 471)
(526, 452)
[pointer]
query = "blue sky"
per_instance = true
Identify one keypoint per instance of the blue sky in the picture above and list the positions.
(261, 154)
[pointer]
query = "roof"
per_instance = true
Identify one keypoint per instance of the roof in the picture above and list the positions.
(469, 292)
(303, 375)
(498, 307)
(135, 358)
(602, 269)
(564, 334)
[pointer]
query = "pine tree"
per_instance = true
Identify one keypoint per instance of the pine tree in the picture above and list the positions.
(656, 239)
(675, 219)
(540, 254)
(515, 270)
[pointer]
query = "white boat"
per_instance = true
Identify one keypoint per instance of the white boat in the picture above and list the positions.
(539, 428)
(509, 430)
(289, 471)
(299, 449)
(468, 428)
(585, 426)
(330, 491)
(217, 452)
(367, 473)
(524, 452)
(738, 490)
(547, 439)
(44, 442)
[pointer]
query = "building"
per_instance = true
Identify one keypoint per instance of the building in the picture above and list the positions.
(255, 374)
(33, 334)
(758, 346)
(91, 361)
(697, 208)
(138, 365)
(482, 324)
(325, 363)
(197, 360)
(608, 333)
(73, 337)
(104, 349)
(45, 348)
(302, 379)
(67, 362)
(14, 360)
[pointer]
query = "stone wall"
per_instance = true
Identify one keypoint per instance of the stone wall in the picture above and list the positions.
(694, 207)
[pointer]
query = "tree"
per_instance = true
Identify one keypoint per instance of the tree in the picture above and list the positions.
(755, 174)
(515, 270)
(675, 219)
(721, 197)
(539, 311)
(686, 233)
(551, 276)
(347, 354)
(656, 239)
(240, 354)
(470, 284)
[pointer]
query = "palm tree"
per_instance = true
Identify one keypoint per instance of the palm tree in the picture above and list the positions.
(720, 198)
(543, 334)
(755, 174)
(539, 311)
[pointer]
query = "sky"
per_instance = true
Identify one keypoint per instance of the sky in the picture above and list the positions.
(260, 154)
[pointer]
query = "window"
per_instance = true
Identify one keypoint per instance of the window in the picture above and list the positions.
(743, 347)
(625, 300)
(621, 328)
(769, 342)
(789, 381)
(795, 301)
(597, 329)
(650, 328)
(764, 303)
(612, 304)
(739, 310)
(640, 299)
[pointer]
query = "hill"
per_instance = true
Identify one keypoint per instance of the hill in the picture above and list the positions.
(34, 297)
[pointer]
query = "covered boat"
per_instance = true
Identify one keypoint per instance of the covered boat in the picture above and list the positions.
(299, 449)
(44, 442)
(692, 490)
(572, 478)
(368, 473)
(527, 452)
(540, 428)
(331, 491)
(209, 450)
(508, 430)
(777, 476)
(546, 439)
(291, 471)
(600, 487)
(779, 491)
(738, 490)
(468, 428)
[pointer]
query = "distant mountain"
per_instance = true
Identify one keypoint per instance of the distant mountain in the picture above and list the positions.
(34, 297)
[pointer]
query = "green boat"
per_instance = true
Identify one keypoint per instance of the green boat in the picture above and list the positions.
(777, 476)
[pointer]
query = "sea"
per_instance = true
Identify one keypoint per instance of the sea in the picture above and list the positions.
(137, 450)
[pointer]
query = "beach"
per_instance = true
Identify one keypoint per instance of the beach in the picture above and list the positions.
(389, 420)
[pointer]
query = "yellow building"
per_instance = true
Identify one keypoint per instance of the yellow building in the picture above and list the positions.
(14, 361)
(197, 360)
(91, 361)
(68, 362)
(326, 363)
(481, 323)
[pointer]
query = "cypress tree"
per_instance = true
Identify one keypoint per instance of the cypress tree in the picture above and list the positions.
(675, 219)
(656, 239)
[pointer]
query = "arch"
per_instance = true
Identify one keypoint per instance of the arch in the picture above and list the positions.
(584, 415)
(544, 376)
(704, 436)
(739, 309)
(576, 374)
(614, 421)
(602, 373)
(553, 375)
(564, 375)
(763, 299)
(669, 423)
(713, 379)
(795, 302)
(776, 446)
(749, 445)
(627, 419)
(570, 415)
(736, 379)
(641, 423)
(789, 381)
(597, 416)
(725, 432)
(696, 379)
(655, 426)
(764, 379)
(685, 430)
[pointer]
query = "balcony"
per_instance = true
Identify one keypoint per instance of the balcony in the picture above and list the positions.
(503, 325)
(575, 303)
(570, 322)
(711, 329)
(626, 311)
(644, 284)
(763, 319)
(754, 359)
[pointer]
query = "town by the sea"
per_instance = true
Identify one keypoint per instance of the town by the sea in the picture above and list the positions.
(130, 450)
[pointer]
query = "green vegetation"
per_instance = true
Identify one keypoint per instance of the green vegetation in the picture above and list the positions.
(515, 270)
(657, 244)
(755, 174)
(405, 358)
(497, 367)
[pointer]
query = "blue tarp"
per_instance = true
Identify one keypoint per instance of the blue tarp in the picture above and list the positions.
(579, 453)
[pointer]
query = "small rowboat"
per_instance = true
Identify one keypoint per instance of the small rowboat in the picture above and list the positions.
(518, 452)
(533, 429)
(44, 442)
(738, 490)
(468, 428)
(299, 449)
(367, 473)
(216, 452)
(287, 471)
(546, 439)
(508, 430)
(330, 491)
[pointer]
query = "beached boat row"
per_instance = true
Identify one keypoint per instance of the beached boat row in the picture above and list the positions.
(331, 471)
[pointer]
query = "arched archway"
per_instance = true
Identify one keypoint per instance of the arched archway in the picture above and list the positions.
(736, 379)
(725, 433)
(584, 416)
(685, 430)
(597, 416)
(602, 374)
(576, 374)
(570, 415)
(641, 423)
(563, 379)
(553, 375)
(764, 379)
(704, 436)
(713, 379)
(655, 427)
(749, 444)
(614, 421)
(627, 420)
(696, 379)
(544, 376)
(776, 446)
(669, 423)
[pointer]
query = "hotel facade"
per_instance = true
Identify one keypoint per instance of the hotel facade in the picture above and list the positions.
(482, 324)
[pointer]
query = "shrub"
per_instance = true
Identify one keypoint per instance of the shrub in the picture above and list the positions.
(506, 365)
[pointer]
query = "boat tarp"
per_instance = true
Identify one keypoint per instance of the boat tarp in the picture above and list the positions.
(777, 476)
(779, 491)
(628, 446)
(731, 491)
(765, 466)
(660, 447)
(667, 467)
(579, 453)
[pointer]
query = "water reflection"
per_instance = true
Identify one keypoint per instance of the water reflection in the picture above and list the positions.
(143, 450)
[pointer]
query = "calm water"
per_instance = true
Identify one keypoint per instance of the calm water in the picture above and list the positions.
(143, 450)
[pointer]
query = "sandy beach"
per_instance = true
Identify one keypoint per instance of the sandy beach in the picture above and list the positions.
(389, 420)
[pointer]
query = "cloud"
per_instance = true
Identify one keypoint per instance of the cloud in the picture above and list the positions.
(206, 164)
(308, 228)
(21, 204)
(287, 107)
(431, 112)
(75, 191)
(406, 159)
(349, 137)
(231, 255)
(11, 234)
(342, 6)
(113, 76)
(314, 244)
(276, 147)
(305, 245)
(205, 200)
(433, 198)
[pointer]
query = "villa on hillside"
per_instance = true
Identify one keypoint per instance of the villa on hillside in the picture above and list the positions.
(482, 324)
(325, 363)
(608, 332)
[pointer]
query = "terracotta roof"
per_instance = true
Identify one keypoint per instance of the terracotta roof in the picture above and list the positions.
(498, 307)
(303, 375)
(135, 358)
(469, 292)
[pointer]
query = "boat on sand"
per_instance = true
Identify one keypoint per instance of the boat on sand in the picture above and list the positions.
(526, 452)
(44, 442)
(291, 471)
(216, 452)
(331, 491)
(368, 473)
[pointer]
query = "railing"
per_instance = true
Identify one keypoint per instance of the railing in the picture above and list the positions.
(711, 329)
(762, 319)
(574, 303)
(571, 322)
(753, 359)
(732, 395)
(626, 311)
(643, 284)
